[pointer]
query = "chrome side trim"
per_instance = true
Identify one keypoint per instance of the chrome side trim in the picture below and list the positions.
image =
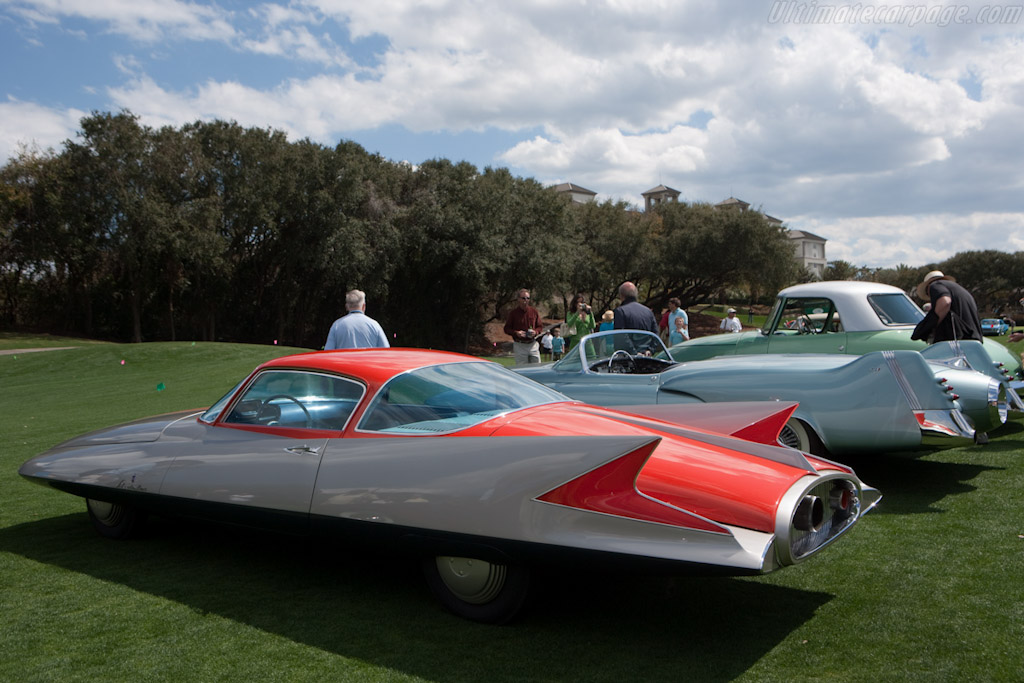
(997, 401)
(944, 428)
(1013, 398)
(869, 498)
(901, 380)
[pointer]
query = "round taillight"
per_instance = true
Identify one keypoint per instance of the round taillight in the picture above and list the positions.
(810, 514)
(839, 499)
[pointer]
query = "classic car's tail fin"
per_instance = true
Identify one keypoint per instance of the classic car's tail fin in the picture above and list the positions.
(773, 452)
(611, 489)
(757, 421)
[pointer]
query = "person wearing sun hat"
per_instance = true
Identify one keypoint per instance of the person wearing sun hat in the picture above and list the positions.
(954, 313)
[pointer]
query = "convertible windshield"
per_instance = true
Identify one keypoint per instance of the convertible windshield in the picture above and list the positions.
(447, 398)
(599, 348)
(769, 322)
(895, 309)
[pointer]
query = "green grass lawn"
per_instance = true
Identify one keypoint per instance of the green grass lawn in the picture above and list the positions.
(755, 321)
(929, 587)
(18, 340)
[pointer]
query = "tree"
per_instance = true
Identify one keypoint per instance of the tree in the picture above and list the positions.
(592, 261)
(118, 165)
(842, 270)
(992, 277)
(247, 179)
(702, 250)
(26, 194)
(903, 276)
(467, 241)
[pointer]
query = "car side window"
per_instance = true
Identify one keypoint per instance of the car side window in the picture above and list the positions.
(297, 399)
(812, 315)
(444, 398)
(895, 309)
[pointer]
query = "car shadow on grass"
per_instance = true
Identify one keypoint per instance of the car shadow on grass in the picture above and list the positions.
(376, 608)
(911, 484)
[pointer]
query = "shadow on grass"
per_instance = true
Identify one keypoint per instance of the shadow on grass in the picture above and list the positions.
(377, 609)
(1013, 430)
(911, 485)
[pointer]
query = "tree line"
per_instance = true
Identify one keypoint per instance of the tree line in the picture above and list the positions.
(994, 278)
(213, 231)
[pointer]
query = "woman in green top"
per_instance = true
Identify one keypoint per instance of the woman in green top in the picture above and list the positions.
(578, 322)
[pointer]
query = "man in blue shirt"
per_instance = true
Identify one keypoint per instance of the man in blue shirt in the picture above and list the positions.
(678, 332)
(356, 330)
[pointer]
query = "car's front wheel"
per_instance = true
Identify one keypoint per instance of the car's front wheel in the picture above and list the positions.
(113, 520)
(487, 592)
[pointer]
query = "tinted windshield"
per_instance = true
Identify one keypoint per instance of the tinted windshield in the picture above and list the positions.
(446, 398)
(895, 309)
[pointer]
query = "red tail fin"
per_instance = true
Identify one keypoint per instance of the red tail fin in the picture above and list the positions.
(756, 421)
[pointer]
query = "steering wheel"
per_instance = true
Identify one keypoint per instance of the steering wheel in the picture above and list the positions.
(806, 325)
(266, 402)
(632, 361)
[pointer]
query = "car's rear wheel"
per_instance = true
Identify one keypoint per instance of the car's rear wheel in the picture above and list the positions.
(796, 434)
(488, 592)
(113, 520)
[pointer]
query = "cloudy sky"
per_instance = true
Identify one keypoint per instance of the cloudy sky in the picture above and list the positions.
(894, 131)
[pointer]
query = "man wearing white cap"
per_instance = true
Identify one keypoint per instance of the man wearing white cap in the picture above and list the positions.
(954, 314)
(730, 323)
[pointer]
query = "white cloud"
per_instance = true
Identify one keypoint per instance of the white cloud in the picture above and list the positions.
(127, 64)
(613, 161)
(299, 43)
(28, 125)
(887, 241)
(142, 20)
(854, 129)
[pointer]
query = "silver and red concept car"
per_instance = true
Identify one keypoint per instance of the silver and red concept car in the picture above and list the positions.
(480, 473)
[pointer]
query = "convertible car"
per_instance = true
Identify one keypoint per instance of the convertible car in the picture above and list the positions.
(480, 473)
(881, 401)
(831, 317)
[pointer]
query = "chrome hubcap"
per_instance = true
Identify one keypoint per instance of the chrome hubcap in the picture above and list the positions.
(788, 437)
(107, 514)
(471, 580)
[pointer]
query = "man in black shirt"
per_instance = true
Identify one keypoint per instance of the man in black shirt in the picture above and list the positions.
(953, 315)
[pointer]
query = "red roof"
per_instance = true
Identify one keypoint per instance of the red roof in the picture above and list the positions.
(375, 366)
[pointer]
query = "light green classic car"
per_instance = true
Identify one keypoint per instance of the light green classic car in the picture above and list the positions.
(879, 401)
(845, 317)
